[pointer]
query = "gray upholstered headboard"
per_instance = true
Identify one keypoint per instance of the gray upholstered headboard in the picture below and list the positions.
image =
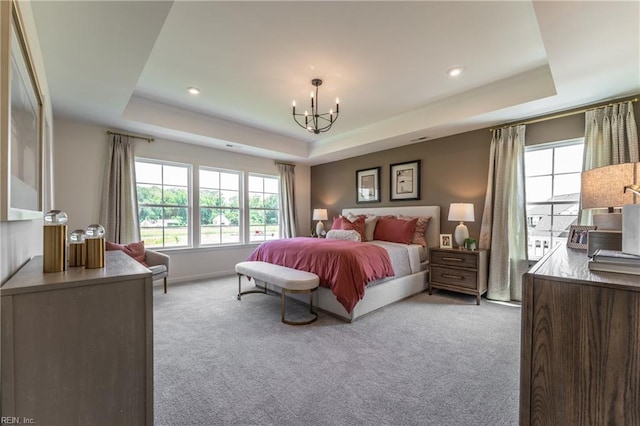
(433, 230)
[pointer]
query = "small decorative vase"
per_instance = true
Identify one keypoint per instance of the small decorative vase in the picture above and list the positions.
(76, 248)
(94, 246)
(54, 247)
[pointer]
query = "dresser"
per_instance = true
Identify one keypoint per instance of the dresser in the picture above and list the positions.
(77, 346)
(464, 271)
(580, 348)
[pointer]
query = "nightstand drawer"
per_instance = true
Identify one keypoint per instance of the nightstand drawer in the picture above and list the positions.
(456, 277)
(455, 259)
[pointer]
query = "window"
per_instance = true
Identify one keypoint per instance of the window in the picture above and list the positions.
(264, 214)
(553, 193)
(163, 203)
(220, 218)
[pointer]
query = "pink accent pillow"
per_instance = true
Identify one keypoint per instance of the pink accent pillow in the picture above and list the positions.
(357, 225)
(420, 230)
(135, 250)
(337, 222)
(395, 230)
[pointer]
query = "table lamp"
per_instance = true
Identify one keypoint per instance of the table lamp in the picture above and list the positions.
(462, 212)
(603, 188)
(320, 215)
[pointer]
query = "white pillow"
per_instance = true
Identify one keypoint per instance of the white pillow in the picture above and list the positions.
(343, 234)
(370, 221)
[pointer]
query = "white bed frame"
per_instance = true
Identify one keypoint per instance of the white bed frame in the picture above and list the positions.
(390, 291)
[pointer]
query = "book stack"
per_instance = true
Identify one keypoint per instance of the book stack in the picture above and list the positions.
(615, 261)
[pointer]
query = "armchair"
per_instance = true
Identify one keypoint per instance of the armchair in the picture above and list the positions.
(158, 265)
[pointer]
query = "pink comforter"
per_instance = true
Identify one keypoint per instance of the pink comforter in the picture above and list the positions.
(344, 266)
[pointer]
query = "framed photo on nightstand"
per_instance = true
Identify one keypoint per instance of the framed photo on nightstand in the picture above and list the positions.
(445, 241)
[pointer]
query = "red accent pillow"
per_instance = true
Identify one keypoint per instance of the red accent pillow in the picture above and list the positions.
(356, 225)
(395, 230)
(420, 229)
(135, 250)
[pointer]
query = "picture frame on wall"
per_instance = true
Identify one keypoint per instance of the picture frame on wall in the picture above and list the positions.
(405, 181)
(368, 185)
(579, 236)
(446, 241)
(22, 147)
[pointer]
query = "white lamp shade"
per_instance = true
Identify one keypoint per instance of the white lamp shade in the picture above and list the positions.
(320, 214)
(462, 212)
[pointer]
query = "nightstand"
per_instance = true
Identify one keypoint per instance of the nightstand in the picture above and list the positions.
(464, 271)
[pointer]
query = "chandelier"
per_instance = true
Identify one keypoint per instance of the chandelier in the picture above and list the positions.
(316, 122)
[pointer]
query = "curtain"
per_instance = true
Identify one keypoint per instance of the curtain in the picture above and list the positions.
(610, 137)
(504, 220)
(287, 200)
(119, 207)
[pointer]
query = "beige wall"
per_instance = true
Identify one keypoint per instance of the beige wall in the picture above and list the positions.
(454, 169)
(79, 162)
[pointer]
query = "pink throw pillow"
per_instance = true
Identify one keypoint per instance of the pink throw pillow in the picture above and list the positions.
(357, 225)
(420, 230)
(395, 230)
(337, 222)
(135, 250)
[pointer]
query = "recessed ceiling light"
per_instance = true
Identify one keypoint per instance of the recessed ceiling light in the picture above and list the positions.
(454, 72)
(194, 90)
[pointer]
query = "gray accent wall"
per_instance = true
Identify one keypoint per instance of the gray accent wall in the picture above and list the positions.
(454, 169)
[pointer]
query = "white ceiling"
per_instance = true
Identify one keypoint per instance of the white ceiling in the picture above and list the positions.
(126, 65)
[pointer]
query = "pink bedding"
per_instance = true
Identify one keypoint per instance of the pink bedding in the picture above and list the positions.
(343, 266)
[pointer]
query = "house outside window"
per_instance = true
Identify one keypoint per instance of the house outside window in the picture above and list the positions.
(163, 203)
(220, 210)
(264, 207)
(552, 193)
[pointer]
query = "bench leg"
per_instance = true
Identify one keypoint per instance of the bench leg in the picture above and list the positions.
(240, 292)
(283, 307)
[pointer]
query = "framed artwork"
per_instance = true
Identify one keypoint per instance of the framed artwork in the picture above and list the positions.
(405, 181)
(445, 241)
(579, 236)
(21, 147)
(368, 185)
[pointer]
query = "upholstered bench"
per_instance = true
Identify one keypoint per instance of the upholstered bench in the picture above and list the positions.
(288, 279)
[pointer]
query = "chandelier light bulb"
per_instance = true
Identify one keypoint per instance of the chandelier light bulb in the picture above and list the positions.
(293, 103)
(337, 100)
(306, 113)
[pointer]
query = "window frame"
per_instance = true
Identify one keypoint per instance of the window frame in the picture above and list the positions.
(189, 205)
(552, 204)
(249, 208)
(240, 208)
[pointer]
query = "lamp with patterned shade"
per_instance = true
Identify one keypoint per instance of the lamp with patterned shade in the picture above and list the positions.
(603, 188)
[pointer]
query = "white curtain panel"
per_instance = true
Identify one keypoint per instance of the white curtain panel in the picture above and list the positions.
(610, 137)
(287, 200)
(119, 206)
(504, 220)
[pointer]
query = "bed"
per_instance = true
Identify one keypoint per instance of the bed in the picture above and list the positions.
(381, 292)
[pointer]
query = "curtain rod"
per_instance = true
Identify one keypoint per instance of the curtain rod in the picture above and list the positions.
(146, 138)
(285, 164)
(562, 114)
